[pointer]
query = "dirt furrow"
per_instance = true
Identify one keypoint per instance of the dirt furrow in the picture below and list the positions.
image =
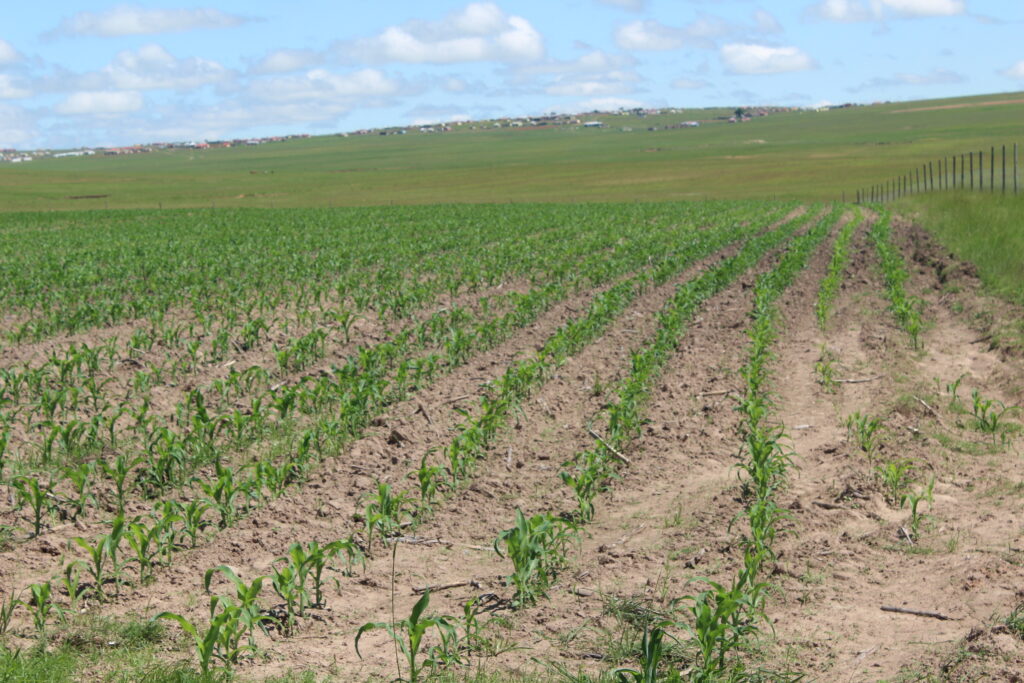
(849, 554)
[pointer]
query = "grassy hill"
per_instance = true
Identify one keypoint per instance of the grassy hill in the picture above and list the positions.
(805, 155)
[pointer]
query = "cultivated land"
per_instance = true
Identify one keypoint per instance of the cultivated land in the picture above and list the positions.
(702, 441)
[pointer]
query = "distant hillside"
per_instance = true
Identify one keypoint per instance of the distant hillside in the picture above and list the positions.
(791, 154)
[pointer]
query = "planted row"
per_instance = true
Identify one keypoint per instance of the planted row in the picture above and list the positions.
(906, 308)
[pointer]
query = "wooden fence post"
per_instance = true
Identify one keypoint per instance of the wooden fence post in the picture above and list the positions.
(1004, 169)
(972, 169)
(961, 171)
(931, 177)
(992, 169)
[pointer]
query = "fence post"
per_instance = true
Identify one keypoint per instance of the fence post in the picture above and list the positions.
(981, 170)
(931, 177)
(1004, 169)
(1015, 168)
(992, 169)
(961, 171)
(971, 155)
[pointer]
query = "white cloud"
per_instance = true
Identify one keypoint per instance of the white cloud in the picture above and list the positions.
(126, 20)
(152, 67)
(766, 22)
(479, 32)
(648, 34)
(689, 84)
(745, 58)
(17, 129)
(8, 55)
(100, 103)
(283, 61)
(326, 86)
(427, 114)
(613, 83)
(925, 8)
(933, 77)
(455, 84)
(631, 5)
(608, 104)
(1015, 71)
(840, 10)
(591, 74)
(9, 90)
(856, 10)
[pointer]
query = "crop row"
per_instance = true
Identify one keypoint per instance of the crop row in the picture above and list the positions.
(829, 288)
(196, 435)
(720, 616)
(906, 308)
(536, 545)
(229, 488)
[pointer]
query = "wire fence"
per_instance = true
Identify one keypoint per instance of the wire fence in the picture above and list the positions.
(965, 171)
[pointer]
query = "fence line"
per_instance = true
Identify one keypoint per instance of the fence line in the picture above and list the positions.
(923, 178)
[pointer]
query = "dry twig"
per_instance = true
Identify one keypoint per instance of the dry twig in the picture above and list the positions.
(604, 443)
(420, 590)
(917, 613)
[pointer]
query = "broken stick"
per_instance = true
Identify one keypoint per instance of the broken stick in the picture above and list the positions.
(420, 590)
(931, 410)
(857, 381)
(604, 443)
(917, 613)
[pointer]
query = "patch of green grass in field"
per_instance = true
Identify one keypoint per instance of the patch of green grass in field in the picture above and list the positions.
(91, 648)
(793, 155)
(983, 228)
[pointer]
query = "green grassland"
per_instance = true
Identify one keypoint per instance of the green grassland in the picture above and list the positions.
(984, 229)
(790, 155)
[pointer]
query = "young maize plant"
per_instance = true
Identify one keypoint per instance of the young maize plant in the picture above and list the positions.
(723, 618)
(906, 308)
(833, 279)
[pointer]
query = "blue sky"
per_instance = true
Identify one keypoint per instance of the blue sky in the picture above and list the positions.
(99, 73)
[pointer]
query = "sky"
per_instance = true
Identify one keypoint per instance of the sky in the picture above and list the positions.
(91, 73)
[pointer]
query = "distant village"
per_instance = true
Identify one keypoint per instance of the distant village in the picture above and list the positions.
(594, 119)
(16, 157)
